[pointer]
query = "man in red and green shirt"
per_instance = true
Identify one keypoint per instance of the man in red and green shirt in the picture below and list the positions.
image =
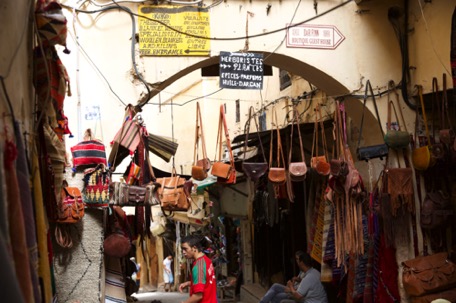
(203, 286)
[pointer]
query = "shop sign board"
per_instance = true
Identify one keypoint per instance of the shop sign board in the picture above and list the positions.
(241, 70)
(158, 35)
(314, 36)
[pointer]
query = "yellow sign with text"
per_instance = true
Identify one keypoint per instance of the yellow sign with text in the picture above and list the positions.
(161, 31)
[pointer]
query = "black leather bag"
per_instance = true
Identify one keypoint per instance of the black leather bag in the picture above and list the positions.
(367, 153)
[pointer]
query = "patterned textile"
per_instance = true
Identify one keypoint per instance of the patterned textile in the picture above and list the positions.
(129, 135)
(388, 289)
(114, 282)
(361, 267)
(19, 247)
(23, 178)
(88, 153)
(44, 269)
(326, 271)
(96, 187)
(317, 251)
(51, 22)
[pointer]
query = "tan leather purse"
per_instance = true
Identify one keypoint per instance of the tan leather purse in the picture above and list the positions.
(225, 172)
(319, 162)
(297, 170)
(200, 167)
(277, 174)
(421, 156)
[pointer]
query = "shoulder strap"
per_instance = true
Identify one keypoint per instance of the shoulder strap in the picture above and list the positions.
(423, 110)
(295, 120)
(366, 96)
(252, 116)
(224, 127)
(445, 105)
(199, 134)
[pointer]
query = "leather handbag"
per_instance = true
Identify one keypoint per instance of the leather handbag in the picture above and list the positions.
(319, 162)
(96, 186)
(396, 138)
(446, 135)
(171, 193)
(428, 274)
(123, 194)
(374, 151)
(117, 244)
(277, 174)
(200, 167)
(71, 206)
(338, 166)
(435, 210)
(225, 172)
(254, 170)
(421, 156)
(297, 170)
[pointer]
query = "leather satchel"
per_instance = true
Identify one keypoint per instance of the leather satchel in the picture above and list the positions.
(436, 210)
(200, 166)
(395, 137)
(117, 244)
(254, 170)
(171, 193)
(123, 194)
(319, 162)
(297, 170)
(71, 206)
(367, 153)
(428, 274)
(277, 174)
(225, 173)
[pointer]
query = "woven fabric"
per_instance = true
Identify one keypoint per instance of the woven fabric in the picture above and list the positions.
(96, 187)
(129, 135)
(88, 153)
(317, 251)
(51, 22)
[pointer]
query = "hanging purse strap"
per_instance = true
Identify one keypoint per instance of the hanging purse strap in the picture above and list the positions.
(224, 127)
(445, 105)
(279, 142)
(366, 96)
(247, 127)
(423, 111)
(295, 120)
(199, 135)
(218, 146)
(319, 118)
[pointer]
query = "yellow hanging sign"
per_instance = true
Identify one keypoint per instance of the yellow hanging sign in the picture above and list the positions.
(156, 39)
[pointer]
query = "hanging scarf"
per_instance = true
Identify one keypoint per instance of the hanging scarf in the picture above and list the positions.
(20, 252)
(23, 178)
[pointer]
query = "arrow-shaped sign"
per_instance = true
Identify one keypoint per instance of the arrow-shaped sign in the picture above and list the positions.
(314, 36)
(187, 51)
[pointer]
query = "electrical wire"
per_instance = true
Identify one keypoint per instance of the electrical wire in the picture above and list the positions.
(186, 102)
(431, 40)
(96, 68)
(126, 9)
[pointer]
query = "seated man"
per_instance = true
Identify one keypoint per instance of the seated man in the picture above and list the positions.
(309, 290)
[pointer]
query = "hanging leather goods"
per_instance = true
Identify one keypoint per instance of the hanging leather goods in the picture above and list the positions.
(428, 274)
(446, 135)
(254, 170)
(277, 174)
(117, 244)
(297, 170)
(225, 173)
(319, 163)
(436, 210)
(71, 208)
(200, 166)
(171, 193)
(421, 156)
(437, 148)
(338, 165)
(396, 138)
(374, 151)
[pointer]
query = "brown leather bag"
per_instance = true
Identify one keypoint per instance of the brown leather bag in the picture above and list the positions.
(225, 173)
(254, 170)
(319, 162)
(171, 193)
(277, 174)
(436, 210)
(200, 166)
(428, 274)
(123, 194)
(117, 244)
(71, 206)
(449, 295)
(297, 170)
(338, 164)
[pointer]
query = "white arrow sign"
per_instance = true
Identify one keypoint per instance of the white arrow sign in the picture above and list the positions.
(314, 36)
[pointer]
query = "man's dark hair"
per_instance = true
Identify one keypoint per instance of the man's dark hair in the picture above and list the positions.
(197, 241)
(304, 258)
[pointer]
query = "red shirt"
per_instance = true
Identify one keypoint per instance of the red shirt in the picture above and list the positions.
(203, 280)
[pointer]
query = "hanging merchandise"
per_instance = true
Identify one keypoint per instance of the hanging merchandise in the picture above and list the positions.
(88, 153)
(277, 173)
(126, 140)
(374, 151)
(70, 210)
(428, 274)
(200, 166)
(396, 138)
(446, 132)
(117, 244)
(436, 210)
(123, 194)
(161, 146)
(319, 163)
(254, 170)
(297, 170)
(96, 186)
(421, 155)
(338, 166)
(225, 173)
(132, 173)
(51, 23)
(171, 193)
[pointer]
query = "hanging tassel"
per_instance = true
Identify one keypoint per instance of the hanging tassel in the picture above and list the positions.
(66, 50)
